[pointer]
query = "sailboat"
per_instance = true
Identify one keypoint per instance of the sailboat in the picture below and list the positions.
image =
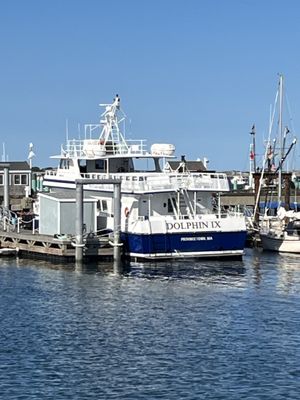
(281, 232)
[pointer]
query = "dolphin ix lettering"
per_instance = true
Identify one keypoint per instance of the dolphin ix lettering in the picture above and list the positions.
(193, 225)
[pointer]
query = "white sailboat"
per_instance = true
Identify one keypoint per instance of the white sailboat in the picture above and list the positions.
(281, 233)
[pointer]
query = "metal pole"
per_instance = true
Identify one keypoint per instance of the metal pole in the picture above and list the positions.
(117, 228)
(6, 196)
(79, 222)
(6, 187)
(117, 217)
(280, 141)
(252, 133)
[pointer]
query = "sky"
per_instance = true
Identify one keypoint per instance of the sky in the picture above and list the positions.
(194, 73)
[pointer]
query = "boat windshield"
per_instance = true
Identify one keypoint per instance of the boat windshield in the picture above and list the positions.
(147, 164)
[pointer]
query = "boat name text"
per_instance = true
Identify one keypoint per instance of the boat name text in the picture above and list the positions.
(195, 225)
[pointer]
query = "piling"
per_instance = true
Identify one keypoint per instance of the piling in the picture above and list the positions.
(117, 218)
(79, 223)
(6, 195)
(117, 229)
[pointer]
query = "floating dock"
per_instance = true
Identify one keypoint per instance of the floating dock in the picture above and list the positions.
(46, 245)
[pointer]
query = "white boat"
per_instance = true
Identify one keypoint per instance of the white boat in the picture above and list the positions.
(6, 251)
(165, 213)
(281, 233)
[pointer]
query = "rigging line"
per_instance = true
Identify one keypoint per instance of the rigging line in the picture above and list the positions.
(294, 158)
(289, 113)
(273, 115)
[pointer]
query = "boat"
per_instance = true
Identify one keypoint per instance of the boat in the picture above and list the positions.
(169, 209)
(280, 232)
(7, 251)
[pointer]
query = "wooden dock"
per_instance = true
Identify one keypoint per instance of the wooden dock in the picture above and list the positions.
(45, 245)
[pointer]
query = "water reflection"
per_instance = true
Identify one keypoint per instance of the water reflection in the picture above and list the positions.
(271, 268)
(259, 267)
(288, 273)
(209, 271)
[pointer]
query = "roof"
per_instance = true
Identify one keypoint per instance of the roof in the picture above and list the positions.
(192, 166)
(65, 195)
(15, 165)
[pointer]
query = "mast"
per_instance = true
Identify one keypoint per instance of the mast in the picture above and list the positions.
(280, 140)
(252, 158)
(252, 149)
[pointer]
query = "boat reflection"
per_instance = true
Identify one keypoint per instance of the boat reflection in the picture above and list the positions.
(208, 271)
(288, 273)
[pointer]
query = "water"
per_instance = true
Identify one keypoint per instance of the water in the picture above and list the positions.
(181, 330)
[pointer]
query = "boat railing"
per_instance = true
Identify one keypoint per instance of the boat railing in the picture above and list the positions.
(163, 181)
(92, 148)
(159, 181)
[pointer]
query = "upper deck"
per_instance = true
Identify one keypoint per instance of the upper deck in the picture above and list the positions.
(154, 182)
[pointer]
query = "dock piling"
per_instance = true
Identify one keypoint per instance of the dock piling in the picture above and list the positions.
(6, 196)
(117, 228)
(79, 222)
(117, 218)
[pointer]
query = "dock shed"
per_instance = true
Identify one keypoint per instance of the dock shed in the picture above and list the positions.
(57, 215)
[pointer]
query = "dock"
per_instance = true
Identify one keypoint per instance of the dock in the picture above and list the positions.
(27, 243)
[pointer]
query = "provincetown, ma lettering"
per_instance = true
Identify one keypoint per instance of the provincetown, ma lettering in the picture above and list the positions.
(193, 225)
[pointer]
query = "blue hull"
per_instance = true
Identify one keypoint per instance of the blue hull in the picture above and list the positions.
(193, 244)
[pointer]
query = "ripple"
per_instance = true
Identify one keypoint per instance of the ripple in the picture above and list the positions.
(182, 330)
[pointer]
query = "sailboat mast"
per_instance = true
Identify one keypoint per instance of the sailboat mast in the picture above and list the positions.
(280, 139)
(253, 150)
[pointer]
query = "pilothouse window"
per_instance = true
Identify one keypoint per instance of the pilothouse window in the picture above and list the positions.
(82, 166)
(65, 164)
(147, 165)
(100, 165)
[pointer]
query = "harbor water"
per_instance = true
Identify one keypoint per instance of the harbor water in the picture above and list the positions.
(188, 329)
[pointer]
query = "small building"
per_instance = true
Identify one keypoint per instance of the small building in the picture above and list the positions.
(19, 179)
(57, 213)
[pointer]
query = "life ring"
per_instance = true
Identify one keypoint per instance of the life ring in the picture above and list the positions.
(126, 212)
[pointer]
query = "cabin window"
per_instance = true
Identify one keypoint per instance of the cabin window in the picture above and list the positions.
(100, 165)
(82, 166)
(171, 202)
(65, 164)
(104, 205)
(1, 179)
(146, 165)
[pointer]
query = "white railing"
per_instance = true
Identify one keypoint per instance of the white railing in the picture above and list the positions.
(78, 148)
(163, 181)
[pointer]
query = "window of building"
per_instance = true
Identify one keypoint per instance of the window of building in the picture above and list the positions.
(20, 179)
(17, 179)
(24, 179)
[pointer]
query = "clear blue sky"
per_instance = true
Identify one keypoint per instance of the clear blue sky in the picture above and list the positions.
(195, 73)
